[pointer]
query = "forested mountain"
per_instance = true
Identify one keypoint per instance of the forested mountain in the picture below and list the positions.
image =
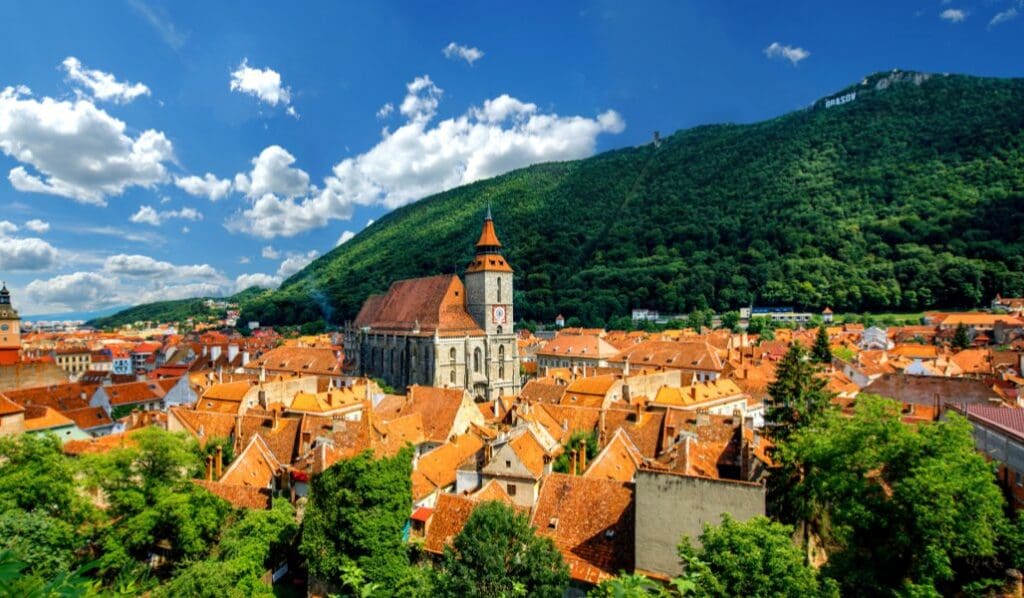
(907, 197)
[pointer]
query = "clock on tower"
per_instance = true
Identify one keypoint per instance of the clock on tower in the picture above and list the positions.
(10, 330)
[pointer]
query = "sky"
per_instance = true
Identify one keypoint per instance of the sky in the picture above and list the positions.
(156, 150)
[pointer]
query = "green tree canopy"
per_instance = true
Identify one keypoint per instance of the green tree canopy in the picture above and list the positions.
(356, 514)
(821, 352)
(498, 553)
(897, 504)
(798, 395)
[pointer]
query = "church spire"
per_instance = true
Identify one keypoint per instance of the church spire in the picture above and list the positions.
(488, 242)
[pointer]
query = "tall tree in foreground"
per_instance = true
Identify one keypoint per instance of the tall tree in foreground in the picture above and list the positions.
(499, 554)
(798, 395)
(752, 558)
(356, 513)
(901, 508)
(821, 352)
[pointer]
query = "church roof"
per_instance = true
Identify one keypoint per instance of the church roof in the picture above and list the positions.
(488, 238)
(423, 306)
(7, 312)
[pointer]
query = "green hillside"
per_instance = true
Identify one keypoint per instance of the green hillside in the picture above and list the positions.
(909, 197)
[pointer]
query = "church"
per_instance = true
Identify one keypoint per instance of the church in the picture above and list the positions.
(437, 331)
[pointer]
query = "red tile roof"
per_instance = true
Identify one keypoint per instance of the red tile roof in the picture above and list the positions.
(242, 497)
(434, 303)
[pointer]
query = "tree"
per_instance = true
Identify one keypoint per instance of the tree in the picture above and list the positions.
(629, 585)
(798, 395)
(821, 352)
(578, 439)
(752, 558)
(498, 553)
(356, 513)
(898, 505)
(960, 338)
(730, 320)
(255, 543)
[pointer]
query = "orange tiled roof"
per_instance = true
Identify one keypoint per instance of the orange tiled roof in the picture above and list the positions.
(492, 490)
(298, 360)
(9, 407)
(101, 444)
(228, 391)
(585, 346)
(89, 417)
(591, 522)
(682, 355)
(256, 466)
(437, 406)
(433, 304)
(539, 390)
(618, 460)
(697, 393)
(438, 467)
(242, 497)
(46, 419)
(451, 512)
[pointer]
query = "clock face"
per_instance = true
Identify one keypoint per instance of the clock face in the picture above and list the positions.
(498, 314)
(4, 327)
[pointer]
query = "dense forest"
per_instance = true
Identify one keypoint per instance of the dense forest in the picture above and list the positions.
(907, 198)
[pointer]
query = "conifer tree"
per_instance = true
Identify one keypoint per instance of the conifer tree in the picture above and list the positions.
(821, 352)
(798, 395)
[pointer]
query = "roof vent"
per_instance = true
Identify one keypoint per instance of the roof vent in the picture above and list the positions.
(553, 523)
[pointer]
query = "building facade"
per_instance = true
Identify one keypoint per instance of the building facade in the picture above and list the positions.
(10, 330)
(439, 331)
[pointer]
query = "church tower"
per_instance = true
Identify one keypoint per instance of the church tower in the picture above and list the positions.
(489, 303)
(489, 284)
(10, 330)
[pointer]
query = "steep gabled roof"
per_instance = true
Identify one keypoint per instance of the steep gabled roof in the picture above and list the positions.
(591, 522)
(422, 306)
(618, 461)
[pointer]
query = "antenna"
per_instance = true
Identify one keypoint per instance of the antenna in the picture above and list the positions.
(489, 211)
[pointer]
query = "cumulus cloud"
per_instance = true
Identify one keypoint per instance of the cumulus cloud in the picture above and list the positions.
(73, 291)
(793, 54)
(263, 281)
(102, 86)
(75, 149)
(456, 51)
(953, 15)
(264, 84)
(272, 173)
(345, 237)
(385, 110)
(270, 253)
(37, 226)
(26, 254)
(149, 215)
(295, 262)
(419, 158)
(7, 227)
(143, 266)
(208, 186)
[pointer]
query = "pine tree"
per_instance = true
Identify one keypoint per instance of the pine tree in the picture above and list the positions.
(960, 338)
(798, 395)
(821, 352)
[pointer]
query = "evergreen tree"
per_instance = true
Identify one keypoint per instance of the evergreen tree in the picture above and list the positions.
(960, 338)
(498, 553)
(821, 352)
(798, 395)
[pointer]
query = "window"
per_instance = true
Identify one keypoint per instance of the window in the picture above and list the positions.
(451, 377)
(499, 290)
(477, 358)
(1020, 479)
(451, 355)
(510, 489)
(508, 464)
(499, 329)
(501, 362)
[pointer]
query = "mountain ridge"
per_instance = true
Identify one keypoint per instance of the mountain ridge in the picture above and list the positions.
(906, 199)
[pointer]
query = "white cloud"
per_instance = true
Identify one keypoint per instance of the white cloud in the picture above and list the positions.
(272, 173)
(345, 237)
(149, 215)
(454, 50)
(295, 262)
(76, 149)
(73, 291)
(26, 254)
(263, 281)
(244, 259)
(370, 221)
(143, 266)
(1003, 16)
(37, 226)
(103, 86)
(208, 186)
(953, 15)
(270, 253)
(7, 227)
(793, 54)
(385, 110)
(264, 84)
(417, 160)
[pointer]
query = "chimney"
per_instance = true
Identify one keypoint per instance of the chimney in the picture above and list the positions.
(703, 418)
(209, 468)
(276, 418)
(219, 461)
(639, 412)
(263, 374)
(693, 390)
(215, 352)
(232, 352)
(625, 367)
(238, 432)
(572, 461)
(488, 452)
(245, 358)
(583, 458)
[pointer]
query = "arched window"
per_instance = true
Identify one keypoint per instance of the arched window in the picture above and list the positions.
(451, 377)
(499, 289)
(451, 355)
(499, 329)
(501, 362)
(477, 358)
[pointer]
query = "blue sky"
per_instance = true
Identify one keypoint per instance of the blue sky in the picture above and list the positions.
(154, 150)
